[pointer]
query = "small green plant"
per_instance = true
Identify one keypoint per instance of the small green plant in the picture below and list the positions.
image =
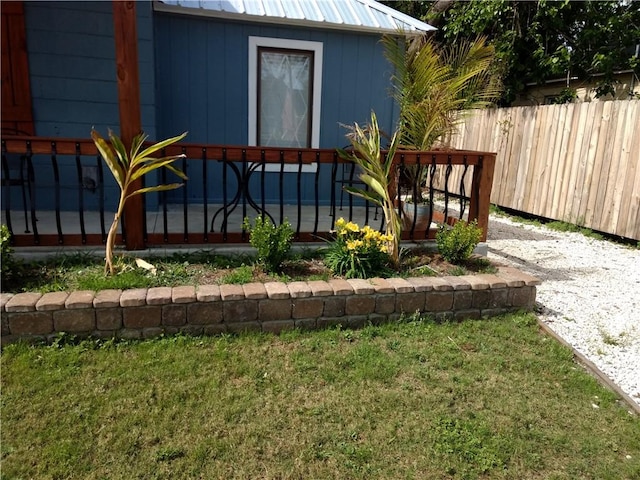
(127, 167)
(272, 242)
(456, 244)
(358, 252)
(377, 175)
(239, 275)
(6, 267)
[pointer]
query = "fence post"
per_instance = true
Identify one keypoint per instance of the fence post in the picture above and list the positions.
(126, 42)
(481, 192)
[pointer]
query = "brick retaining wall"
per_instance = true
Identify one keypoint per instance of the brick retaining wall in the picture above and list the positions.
(269, 307)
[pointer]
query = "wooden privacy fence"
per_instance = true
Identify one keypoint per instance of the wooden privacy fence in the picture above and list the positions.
(578, 163)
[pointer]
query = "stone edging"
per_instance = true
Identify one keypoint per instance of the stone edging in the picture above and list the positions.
(269, 307)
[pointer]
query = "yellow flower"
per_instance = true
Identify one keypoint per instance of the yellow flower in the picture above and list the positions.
(352, 227)
(354, 244)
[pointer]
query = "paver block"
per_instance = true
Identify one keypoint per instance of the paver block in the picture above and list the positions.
(240, 311)
(476, 282)
(400, 285)
(231, 292)
(299, 289)
(23, 302)
(174, 314)
(80, 299)
(277, 290)
(272, 310)
(385, 304)
(204, 313)
(462, 299)
(30, 323)
(136, 297)
(208, 293)
(74, 320)
(441, 284)
(159, 296)
(320, 288)
(142, 317)
(278, 326)
(307, 308)
(382, 286)
(107, 299)
(458, 283)
(4, 298)
(410, 302)
(334, 306)
(254, 291)
(439, 301)
(360, 305)
(361, 286)
(52, 301)
(306, 323)
(183, 294)
(108, 318)
(421, 284)
(341, 286)
(493, 280)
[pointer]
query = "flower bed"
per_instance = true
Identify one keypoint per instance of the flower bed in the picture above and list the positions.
(268, 307)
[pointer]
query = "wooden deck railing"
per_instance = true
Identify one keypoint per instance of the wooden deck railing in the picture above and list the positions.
(64, 193)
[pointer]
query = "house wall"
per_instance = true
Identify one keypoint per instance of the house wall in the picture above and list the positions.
(627, 86)
(202, 83)
(74, 87)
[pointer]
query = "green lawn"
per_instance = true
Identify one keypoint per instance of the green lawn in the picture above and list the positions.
(478, 399)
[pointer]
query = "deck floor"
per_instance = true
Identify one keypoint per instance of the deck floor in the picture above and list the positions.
(195, 219)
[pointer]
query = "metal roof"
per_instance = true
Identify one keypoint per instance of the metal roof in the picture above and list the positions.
(359, 15)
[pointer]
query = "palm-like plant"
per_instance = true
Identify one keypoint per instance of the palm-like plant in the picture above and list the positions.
(377, 175)
(126, 168)
(435, 85)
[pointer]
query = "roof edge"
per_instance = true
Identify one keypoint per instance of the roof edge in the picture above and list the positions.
(159, 6)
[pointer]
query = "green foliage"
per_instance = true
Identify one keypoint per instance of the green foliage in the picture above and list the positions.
(240, 275)
(129, 167)
(272, 242)
(377, 175)
(538, 41)
(7, 261)
(566, 95)
(456, 244)
(434, 85)
(358, 252)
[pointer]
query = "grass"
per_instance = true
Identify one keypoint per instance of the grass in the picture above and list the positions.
(86, 272)
(494, 399)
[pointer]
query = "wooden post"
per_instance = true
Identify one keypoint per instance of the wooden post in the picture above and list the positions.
(481, 193)
(126, 43)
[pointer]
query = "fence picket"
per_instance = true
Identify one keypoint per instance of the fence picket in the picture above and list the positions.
(573, 162)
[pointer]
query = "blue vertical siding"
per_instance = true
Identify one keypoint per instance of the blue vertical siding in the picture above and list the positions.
(202, 85)
(71, 54)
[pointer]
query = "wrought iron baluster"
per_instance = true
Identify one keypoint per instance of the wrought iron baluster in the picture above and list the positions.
(7, 192)
(205, 195)
(463, 193)
(185, 199)
(299, 191)
(316, 194)
(56, 181)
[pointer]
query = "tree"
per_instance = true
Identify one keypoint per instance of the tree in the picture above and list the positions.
(538, 41)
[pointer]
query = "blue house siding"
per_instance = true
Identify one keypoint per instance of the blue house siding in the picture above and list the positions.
(71, 53)
(202, 85)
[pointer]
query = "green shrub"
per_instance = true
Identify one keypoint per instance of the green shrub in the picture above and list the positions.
(358, 252)
(456, 244)
(6, 252)
(272, 242)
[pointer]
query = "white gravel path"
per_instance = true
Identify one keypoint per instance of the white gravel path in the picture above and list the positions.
(590, 292)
